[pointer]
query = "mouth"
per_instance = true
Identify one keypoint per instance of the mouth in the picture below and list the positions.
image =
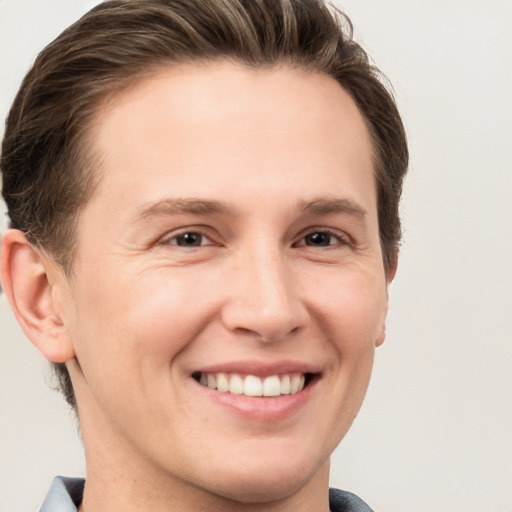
(254, 386)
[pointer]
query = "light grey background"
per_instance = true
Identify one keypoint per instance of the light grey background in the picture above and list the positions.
(435, 432)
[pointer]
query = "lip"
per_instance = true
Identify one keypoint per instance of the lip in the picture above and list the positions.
(260, 368)
(260, 409)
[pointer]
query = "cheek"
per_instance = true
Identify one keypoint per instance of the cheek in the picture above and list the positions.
(152, 327)
(167, 311)
(352, 308)
(128, 339)
(147, 323)
(356, 312)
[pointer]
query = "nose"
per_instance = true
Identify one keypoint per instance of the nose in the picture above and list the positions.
(263, 298)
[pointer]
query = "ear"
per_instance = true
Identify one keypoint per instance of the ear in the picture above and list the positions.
(390, 275)
(33, 286)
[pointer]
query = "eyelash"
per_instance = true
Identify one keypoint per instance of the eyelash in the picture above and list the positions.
(342, 238)
(176, 236)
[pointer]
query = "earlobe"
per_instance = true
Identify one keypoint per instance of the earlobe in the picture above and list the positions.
(390, 275)
(382, 335)
(26, 279)
(382, 332)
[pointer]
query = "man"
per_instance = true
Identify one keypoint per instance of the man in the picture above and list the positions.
(204, 206)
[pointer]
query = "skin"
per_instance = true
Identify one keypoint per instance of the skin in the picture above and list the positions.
(254, 162)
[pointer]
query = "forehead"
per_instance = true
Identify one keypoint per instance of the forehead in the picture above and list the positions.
(229, 124)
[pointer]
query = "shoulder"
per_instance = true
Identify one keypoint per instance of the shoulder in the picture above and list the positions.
(65, 495)
(343, 501)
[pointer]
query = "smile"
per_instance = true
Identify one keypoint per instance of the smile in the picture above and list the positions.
(253, 386)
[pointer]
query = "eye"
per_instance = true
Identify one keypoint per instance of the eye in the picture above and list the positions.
(318, 239)
(189, 239)
(322, 238)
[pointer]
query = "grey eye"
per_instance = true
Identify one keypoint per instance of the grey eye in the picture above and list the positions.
(318, 239)
(189, 240)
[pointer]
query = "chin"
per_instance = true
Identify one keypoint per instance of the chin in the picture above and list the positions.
(262, 488)
(265, 481)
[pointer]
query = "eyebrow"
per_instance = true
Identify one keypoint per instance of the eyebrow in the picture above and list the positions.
(329, 205)
(196, 206)
(186, 206)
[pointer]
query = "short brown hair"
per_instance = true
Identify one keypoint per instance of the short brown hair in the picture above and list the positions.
(47, 173)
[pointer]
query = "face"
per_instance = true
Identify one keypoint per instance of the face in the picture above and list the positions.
(228, 290)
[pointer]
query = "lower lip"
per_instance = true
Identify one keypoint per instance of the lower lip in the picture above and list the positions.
(267, 409)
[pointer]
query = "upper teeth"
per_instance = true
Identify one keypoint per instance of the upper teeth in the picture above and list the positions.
(250, 385)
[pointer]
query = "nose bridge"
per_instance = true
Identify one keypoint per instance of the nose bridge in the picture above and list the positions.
(263, 297)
